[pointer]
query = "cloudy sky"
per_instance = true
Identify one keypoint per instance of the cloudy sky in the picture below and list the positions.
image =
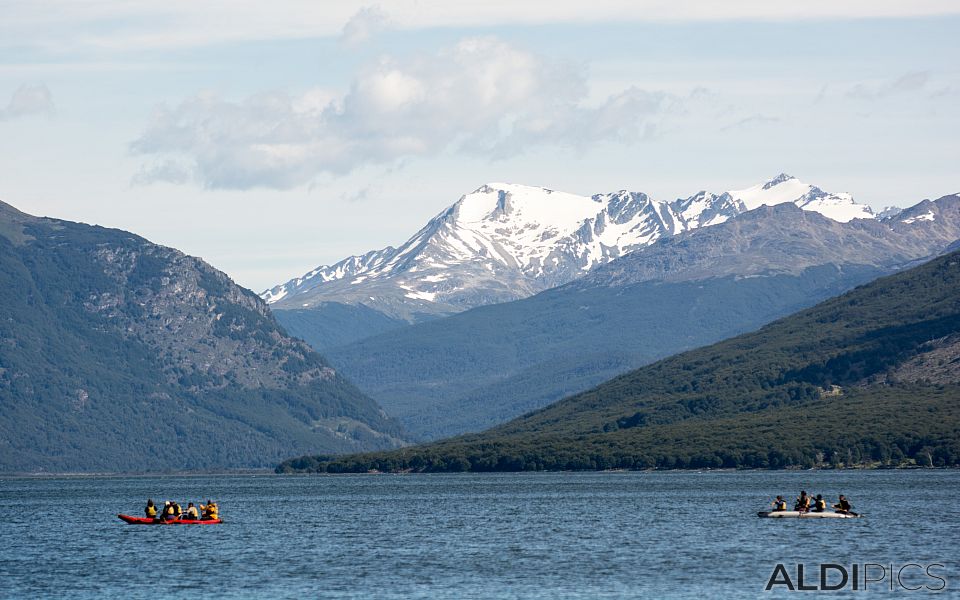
(269, 138)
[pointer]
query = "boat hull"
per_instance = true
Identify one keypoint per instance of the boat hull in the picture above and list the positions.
(795, 514)
(147, 521)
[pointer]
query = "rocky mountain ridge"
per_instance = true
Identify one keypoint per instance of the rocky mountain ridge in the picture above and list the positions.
(782, 239)
(504, 242)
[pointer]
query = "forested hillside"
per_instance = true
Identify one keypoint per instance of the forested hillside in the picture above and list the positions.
(869, 377)
(117, 354)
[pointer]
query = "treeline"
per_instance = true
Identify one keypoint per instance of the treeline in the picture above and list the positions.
(887, 426)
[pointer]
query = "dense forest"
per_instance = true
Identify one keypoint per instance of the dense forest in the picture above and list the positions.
(848, 382)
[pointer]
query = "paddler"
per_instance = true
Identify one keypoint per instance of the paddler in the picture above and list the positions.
(192, 514)
(779, 503)
(843, 505)
(150, 511)
(168, 514)
(803, 502)
(210, 511)
(176, 509)
(820, 505)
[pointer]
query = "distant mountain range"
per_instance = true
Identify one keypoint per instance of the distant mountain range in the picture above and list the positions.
(119, 354)
(871, 377)
(484, 366)
(505, 242)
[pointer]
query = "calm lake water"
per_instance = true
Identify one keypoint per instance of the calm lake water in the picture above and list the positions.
(540, 535)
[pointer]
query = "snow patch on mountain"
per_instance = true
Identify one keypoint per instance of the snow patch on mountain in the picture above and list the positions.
(927, 216)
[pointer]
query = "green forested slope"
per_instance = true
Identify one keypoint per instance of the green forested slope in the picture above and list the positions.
(117, 354)
(825, 385)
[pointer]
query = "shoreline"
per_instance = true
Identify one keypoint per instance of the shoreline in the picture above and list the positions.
(84, 474)
(272, 473)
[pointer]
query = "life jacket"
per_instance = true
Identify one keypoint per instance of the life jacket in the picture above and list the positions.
(803, 502)
(176, 509)
(192, 512)
(782, 505)
(210, 511)
(169, 510)
(821, 504)
(151, 511)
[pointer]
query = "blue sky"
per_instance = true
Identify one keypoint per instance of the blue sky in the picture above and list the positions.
(271, 138)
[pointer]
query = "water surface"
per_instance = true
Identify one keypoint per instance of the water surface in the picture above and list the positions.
(534, 535)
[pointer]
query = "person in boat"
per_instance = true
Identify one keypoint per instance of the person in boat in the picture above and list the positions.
(779, 504)
(168, 513)
(820, 505)
(177, 511)
(843, 505)
(210, 511)
(192, 514)
(803, 502)
(151, 510)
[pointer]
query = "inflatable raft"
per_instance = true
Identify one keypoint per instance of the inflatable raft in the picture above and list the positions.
(795, 514)
(147, 521)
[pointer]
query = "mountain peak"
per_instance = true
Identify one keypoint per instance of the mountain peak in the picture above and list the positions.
(786, 188)
(505, 241)
(498, 243)
(777, 180)
(502, 186)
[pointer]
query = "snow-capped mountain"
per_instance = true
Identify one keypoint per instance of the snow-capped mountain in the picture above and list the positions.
(704, 209)
(481, 367)
(504, 242)
(785, 188)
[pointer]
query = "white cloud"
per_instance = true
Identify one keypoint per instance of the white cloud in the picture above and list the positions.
(482, 97)
(752, 121)
(29, 100)
(908, 82)
(367, 22)
(169, 171)
(361, 194)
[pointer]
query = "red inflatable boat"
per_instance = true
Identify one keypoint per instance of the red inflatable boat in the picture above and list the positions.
(147, 521)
